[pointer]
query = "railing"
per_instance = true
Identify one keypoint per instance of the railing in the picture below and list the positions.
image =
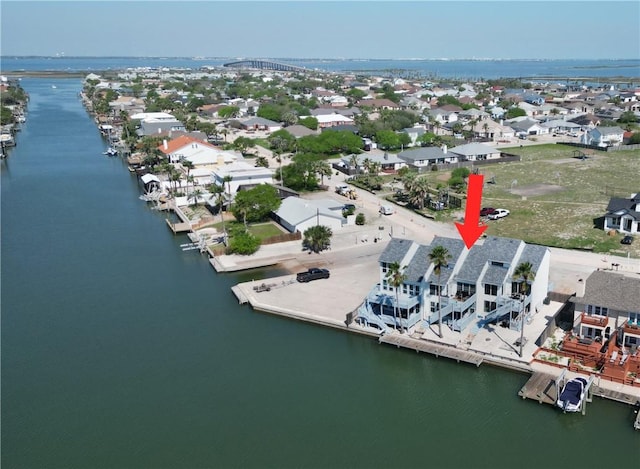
(461, 324)
(600, 321)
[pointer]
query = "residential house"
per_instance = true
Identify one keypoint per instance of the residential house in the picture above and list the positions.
(474, 285)
(528, 127)
(605, 136)
(260, 123)
(609, 306)
(332, 120)
(623, 215)
(560, 126)
(389, 162)
(586, 121)
(300, 131)
(199, 152)
(297, 214)
(489, 129)
(153, 123)
(423, 158)
(414, 133)
(475, 152)
(379, 104)
(241, 174)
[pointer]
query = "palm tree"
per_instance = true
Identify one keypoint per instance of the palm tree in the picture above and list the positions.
(195, 196)
(524, 272)
(218, 191)
(317, 238)
(396, 277)
(323, 169)
(440, 256)
(353, 162)
(418, 192)
(227, 180)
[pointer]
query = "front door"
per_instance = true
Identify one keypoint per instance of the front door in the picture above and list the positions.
(627, 225)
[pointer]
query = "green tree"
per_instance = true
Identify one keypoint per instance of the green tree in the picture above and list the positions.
(360, 219)
(309, 122)
(523, 274)
(418, 192)
(440, 257)
(243, 243)
(317, 238)
(387, 139)
(514, 112)
(228, 112)
(256, 204)
(395, 277)
(218, 193)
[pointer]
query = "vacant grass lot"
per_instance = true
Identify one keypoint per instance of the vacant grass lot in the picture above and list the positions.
(558, 200)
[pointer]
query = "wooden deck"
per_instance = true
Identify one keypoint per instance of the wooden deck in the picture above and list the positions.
(178, 227)
(429, 347)
(541, 387)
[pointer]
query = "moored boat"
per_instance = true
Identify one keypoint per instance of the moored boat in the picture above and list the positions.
(572, 395)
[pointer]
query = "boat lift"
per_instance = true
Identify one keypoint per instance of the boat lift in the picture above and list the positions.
(562, 379)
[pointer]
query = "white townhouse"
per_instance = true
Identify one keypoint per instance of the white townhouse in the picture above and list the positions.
(623, 215)
(474, 285)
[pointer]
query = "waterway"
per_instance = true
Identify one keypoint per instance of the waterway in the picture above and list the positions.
(119, 350)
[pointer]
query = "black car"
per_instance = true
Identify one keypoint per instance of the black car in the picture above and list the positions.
(486, 211)
(312, 274)
(627, 239)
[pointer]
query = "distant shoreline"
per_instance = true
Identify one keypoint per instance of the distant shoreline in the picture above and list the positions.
(84, 73)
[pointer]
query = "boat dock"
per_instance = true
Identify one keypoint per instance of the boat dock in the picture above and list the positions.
(178, 227)
(429, 347)
(541, 387)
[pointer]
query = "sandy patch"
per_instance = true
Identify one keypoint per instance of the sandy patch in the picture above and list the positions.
(536, 189)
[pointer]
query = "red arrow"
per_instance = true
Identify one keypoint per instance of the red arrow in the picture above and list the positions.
(470, 230)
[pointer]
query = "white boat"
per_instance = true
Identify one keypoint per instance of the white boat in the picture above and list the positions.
(572, 395)
(111, 152)
(53, 86)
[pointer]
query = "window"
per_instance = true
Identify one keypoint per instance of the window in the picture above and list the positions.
(466, 289)
(433, 289)
(490, 289)
(385, 267)
(489, 306)
(434, 306)
(597, 310)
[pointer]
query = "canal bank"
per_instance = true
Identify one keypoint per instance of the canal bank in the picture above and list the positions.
(121, 350)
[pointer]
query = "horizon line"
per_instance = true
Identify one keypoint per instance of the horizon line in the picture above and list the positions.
(407, 59)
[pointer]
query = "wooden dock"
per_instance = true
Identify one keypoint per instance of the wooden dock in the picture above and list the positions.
(178, 227)
(240, 295)
(541, 387)
(429, 347)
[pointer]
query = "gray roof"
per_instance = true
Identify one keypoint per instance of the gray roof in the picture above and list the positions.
(259, 121)
(494, 249)
(470, 149)
(395, 250)
(419, 264)
(620, 206)
(455, 247)
(611, 290)
(422, 153)
(534, 254)
(609, 130)
(295, 210)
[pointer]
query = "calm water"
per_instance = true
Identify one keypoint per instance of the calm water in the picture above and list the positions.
(120, 350)
(474, 69)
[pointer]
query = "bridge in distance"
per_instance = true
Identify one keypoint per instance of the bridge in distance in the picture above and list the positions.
(265, 65)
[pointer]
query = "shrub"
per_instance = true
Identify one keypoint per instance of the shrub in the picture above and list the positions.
(460, 172)
(434, 167)
(243, 243)
(360, 219)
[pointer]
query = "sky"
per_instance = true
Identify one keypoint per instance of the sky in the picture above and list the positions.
(514, 29)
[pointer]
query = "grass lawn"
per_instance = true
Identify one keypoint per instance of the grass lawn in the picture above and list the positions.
(556, 199)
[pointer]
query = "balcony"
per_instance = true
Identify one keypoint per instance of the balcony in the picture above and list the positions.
(631, 327)
(598, 321)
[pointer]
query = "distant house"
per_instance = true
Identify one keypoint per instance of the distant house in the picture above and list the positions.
(300, 131)
(388, 162)
(605, 136)
(241, 174)
(528, 127)
(623, 215)
(379, 104)
(475, 284)
(199, 152)
(424, 157)
(475, 152)
(414, 134)
(153, 123)
(332, 120)
(260, 123)
(609, 306)
(297, 214)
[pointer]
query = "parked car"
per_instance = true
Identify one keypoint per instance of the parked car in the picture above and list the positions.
(486, 211)
(312, 274)
(628, 239)
(386, 210)
(499, 213)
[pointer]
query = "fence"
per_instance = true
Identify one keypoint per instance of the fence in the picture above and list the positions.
(282, 238)
(605, 149)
